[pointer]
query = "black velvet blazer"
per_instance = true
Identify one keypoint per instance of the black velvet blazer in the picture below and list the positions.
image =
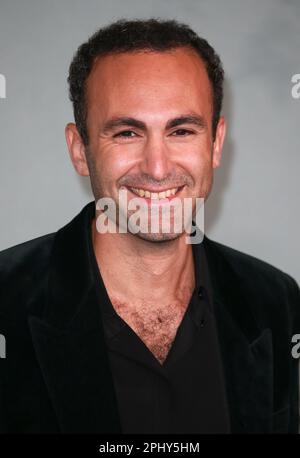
(56, 375)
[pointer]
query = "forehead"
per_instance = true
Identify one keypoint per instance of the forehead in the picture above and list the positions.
(174, 79)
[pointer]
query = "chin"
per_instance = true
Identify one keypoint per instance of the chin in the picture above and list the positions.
(159, 237)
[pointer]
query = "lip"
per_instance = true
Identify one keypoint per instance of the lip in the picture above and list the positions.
(157, 190)
(157, 201)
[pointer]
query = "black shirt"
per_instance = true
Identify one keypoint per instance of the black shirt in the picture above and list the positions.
(185, 394)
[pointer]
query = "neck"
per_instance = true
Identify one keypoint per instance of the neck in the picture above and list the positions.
(134, 269)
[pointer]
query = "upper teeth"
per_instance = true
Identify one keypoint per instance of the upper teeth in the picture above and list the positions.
(155, 195)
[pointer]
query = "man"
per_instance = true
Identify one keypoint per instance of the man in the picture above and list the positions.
(138, 331)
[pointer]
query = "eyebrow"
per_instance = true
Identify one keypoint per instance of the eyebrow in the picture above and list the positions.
(115, 122)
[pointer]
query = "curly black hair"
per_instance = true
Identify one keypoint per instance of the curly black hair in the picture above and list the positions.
(132, 35)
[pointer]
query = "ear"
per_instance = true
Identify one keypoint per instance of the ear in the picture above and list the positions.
(76, 149)
(218, 142)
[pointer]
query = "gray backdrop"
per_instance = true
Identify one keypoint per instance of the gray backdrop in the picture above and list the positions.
(254, 204)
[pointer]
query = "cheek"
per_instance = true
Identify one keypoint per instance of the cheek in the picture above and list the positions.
(199, 164)
(110, 165)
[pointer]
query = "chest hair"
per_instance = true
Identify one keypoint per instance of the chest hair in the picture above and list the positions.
(156, 325)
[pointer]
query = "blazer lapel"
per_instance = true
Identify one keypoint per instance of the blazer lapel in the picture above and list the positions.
(246, 349)
(68, 337)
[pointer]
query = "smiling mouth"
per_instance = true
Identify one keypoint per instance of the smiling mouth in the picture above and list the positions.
(156, 195)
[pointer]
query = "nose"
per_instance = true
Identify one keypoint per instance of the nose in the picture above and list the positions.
(156, 158)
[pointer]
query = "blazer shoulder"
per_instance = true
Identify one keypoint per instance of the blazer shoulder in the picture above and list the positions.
(24, 254)
(21, 269)
(253, 270)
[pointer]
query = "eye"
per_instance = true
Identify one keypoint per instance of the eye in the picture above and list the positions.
(125, 134)
(182, 132)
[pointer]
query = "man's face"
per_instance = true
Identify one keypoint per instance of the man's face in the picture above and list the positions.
(150, 127)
